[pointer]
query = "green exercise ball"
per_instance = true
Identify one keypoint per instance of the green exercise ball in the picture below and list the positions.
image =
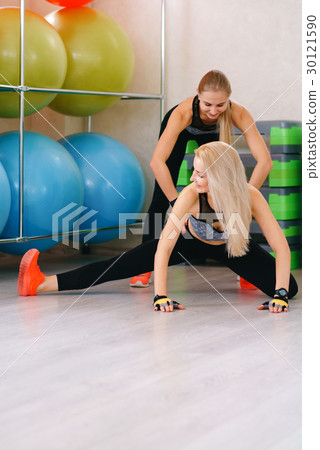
(100, 58)
(45, 61)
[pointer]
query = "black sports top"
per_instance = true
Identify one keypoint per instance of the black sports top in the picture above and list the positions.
(203, 225)
(197, 126)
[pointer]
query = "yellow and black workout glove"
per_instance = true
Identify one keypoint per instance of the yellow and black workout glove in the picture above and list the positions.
(280, 300)
(163, 300)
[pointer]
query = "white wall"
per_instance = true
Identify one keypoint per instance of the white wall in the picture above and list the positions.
(256, 43)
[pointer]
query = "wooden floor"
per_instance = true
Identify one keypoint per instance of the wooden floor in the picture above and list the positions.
(103, 371)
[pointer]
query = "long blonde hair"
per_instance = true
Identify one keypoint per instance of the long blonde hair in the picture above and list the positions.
(229, 191)
(215, 80)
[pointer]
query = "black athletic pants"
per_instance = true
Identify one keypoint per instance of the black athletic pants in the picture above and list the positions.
(159, 203)
(257, 266)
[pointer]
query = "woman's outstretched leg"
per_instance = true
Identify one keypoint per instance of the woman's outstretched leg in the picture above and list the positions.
(140, 258)
(32, 281)
(259, 268)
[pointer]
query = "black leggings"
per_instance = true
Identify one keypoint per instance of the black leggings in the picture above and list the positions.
(257, 266)
(159, 203)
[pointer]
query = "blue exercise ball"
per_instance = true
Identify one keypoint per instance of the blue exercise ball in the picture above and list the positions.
(113, 182)
(52, 184)
(5, 198)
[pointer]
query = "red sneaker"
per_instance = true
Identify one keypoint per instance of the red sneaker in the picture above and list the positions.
(141, 280)
(30, 275)
(246, 285)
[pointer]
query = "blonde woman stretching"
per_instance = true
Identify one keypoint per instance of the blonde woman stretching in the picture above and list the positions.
(217, 207)
(208, 116)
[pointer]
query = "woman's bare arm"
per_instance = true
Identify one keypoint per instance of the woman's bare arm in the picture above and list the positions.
(185, 205)
(180, 118)
(243, 120)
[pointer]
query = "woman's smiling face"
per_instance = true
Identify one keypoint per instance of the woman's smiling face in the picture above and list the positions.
(212, 104)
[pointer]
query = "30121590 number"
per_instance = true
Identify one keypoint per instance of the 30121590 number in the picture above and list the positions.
(311, 51)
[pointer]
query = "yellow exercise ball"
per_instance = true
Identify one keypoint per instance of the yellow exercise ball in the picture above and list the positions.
(100, 58)
(45, 61)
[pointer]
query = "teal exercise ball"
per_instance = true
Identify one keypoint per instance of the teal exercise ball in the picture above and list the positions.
(45, 61)
(5, 198)
(100, 58)
(52, 182)
(113, 179)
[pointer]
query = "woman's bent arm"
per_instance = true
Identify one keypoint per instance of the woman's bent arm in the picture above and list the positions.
(243, 120)
(180, 118)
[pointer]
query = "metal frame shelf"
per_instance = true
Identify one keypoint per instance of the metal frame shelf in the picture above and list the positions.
(22, 89)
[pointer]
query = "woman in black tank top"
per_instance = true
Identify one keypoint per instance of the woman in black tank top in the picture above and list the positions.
(208, 116)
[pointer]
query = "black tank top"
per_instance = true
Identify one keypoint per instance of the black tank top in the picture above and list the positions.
(197, 126)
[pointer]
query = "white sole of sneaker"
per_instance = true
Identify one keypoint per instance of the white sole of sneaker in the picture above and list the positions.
(138, 284)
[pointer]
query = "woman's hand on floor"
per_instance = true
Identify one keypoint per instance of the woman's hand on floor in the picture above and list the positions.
(165, 304)
(275, 305)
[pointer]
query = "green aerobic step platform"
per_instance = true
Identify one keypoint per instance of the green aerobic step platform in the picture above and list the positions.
(186, 167)
(286, 170)
(286, 140)
(292, 229)
(285, 203)
(264, 126)
(184, 174)
(296, 255)
(191, 146)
